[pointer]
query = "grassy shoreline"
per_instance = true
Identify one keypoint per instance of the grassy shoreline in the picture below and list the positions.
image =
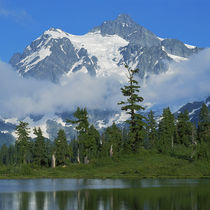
(132, 166)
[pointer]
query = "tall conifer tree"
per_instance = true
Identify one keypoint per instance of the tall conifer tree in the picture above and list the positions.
(61, 148)
(23, 141)
(204, 124)
(184, 129)
(151, 129)
(166, 131)
(132, 107)
(39, 152)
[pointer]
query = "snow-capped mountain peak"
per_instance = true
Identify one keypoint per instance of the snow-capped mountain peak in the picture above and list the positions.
(55, 33)
(101, 52)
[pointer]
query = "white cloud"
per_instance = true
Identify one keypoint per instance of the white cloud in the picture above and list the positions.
(19, 15)
(183, 82)
(20, 96)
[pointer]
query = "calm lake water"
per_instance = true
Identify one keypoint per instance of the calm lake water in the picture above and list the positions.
(108, 194)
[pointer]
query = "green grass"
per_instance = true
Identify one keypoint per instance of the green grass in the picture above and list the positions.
(145, 164)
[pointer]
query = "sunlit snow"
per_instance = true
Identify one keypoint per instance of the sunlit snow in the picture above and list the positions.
(35, 58)
(105, 48)
(177, 58)
(190, 46)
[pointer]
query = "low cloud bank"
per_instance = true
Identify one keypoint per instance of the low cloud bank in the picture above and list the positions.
(184, 82)
(20, 96)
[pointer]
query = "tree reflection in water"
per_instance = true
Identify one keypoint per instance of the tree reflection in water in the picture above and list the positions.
(164, 198)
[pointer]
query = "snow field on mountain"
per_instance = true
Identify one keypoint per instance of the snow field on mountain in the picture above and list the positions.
(105, 48)
(175, 57)
(190, 46)
(35, 58)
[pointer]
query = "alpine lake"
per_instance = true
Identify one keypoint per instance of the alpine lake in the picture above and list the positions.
(105, 194)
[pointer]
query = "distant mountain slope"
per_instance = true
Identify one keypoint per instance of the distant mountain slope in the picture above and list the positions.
(50, 125)
(100, 52)
(194, 109)
(6, 129)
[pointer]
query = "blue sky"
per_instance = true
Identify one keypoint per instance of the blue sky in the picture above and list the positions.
(22, 21)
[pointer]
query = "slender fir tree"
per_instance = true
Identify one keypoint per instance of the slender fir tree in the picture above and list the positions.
(23, 141)
(151, 129)
(166, 131)
(132, 107)
(184, 129)
(82, 126)
(204, 133)
(204, 125)
(81, 116)
(39, 151)
(61, 148)
(92, 146)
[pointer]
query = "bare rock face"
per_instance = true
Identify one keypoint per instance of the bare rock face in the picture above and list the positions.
(56, 53)
(51, 56)
(126, 28)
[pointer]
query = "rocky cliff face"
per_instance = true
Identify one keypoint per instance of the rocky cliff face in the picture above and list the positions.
(126, 28)
(100, 52)
(48, 57)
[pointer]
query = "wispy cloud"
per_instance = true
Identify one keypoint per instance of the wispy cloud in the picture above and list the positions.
(183, 82)
(19, 15)
(20, 96)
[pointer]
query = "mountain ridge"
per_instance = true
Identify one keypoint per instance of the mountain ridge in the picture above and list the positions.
(112, 44)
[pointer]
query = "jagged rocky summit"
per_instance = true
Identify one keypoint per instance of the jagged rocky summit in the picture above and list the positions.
(100, 52)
